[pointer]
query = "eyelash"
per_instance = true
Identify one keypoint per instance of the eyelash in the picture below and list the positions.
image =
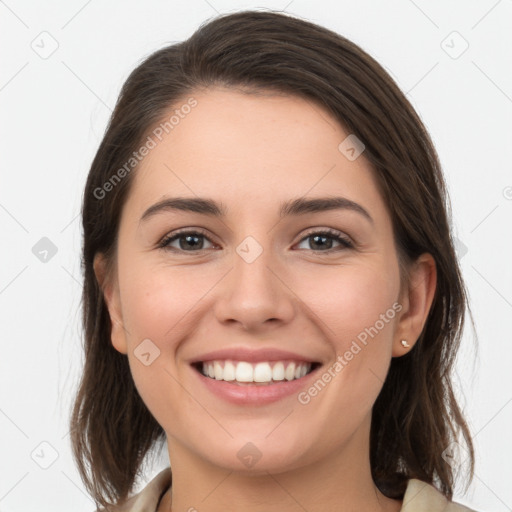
(330, 233)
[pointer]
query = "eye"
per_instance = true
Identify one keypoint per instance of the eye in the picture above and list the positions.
(186, 241)
(322, 241)
(194, 241)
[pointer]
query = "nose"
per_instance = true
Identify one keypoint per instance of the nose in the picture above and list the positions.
(254, 294)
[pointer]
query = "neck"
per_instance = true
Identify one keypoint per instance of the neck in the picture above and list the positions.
(341, 481)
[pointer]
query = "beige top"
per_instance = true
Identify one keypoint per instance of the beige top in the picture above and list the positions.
(419, 497)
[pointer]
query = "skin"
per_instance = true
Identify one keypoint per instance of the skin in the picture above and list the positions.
(251, 152)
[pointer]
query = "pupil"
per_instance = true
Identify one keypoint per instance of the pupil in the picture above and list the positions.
(317, 237)
(190, 241)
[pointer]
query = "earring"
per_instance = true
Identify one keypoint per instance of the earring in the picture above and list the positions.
(405, 344)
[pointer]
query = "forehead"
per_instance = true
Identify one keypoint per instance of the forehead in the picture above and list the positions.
(257, 149)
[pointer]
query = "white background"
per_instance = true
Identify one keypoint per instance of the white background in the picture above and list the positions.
(55, 110)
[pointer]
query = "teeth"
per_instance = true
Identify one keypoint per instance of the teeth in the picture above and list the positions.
(289, 373)
(229, 371)
(264, 372)
(244, 372)
(278, 371)
(218, 371)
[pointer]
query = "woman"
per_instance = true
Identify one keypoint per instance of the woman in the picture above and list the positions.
(270, 283)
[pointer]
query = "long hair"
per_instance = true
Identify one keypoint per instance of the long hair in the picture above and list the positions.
(416, 415)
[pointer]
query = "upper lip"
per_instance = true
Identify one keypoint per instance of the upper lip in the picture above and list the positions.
(252, 355)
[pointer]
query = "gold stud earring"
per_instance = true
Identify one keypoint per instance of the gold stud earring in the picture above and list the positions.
(405, 344)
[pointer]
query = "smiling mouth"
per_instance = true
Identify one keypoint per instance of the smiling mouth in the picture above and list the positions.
(263, 373)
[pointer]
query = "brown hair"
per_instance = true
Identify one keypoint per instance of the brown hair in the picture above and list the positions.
(416, 415)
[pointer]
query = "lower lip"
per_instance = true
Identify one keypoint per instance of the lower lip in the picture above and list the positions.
(247, 394)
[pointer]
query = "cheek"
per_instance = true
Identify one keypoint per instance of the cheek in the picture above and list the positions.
(158, 301)
(352, 300)
(358, 313)
(159, 307)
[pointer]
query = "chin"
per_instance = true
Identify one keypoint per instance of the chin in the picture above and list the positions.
(258, 456)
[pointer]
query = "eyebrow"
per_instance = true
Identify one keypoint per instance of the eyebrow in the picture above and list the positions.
(299, 206)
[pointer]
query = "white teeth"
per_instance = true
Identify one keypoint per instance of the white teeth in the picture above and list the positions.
(229, 371)
(289, 374)
(278, 371)
(218, 371)
(244, 372)
(263, 372)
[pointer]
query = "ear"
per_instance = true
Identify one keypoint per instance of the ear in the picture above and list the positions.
(416, 302)
(110, 288)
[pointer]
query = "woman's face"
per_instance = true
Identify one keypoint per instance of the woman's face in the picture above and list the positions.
(261, 284)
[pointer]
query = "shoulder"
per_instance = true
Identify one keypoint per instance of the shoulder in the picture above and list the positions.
(419, 497)
(422, 497)
(148, 498)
